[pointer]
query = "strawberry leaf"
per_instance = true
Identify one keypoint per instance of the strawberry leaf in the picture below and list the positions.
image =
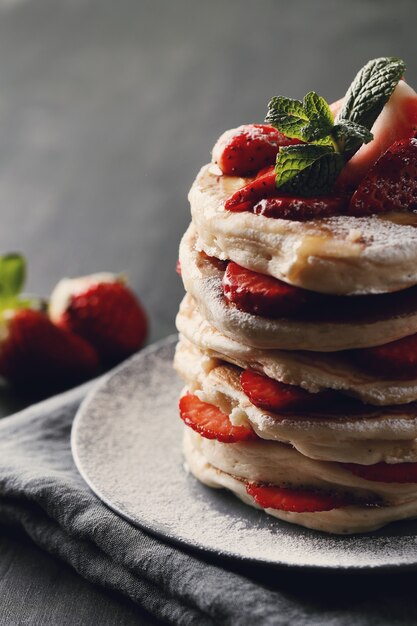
(12, 276)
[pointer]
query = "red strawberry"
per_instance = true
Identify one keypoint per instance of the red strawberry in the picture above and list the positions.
(391, 183)
(385, 472)
(245, 150)
(210, 422)
(270, 395)
(260, 294)
(295, 500)
(397, 359)
(397, 120)
(301, 209)
(262, 187)
(37, 354)
(178, 267)
(104, 311)
(265, 170)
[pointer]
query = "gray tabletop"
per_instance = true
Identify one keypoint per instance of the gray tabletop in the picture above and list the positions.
(107, 109)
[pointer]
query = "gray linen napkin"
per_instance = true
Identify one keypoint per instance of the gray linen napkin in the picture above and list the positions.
(42, 493)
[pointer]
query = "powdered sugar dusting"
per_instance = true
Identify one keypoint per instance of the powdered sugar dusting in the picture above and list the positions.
(384, 259)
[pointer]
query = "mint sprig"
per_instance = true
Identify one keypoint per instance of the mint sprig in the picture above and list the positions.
(310, 120)
(370, 90)
(312, 168)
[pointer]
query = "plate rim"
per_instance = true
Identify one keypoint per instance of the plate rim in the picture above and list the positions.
(196, 547)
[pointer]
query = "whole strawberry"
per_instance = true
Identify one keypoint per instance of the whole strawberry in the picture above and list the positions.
(35, 355)
(245, 150)
(103, 310)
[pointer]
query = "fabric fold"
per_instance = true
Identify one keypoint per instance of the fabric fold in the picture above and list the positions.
(42, 493)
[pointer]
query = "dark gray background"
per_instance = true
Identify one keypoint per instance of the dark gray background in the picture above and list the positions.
(107, 109)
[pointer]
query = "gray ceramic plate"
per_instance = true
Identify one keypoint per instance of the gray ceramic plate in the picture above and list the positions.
(126, 443)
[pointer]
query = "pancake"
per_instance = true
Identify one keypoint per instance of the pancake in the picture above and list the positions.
(339, 255)
(344, 520)
(278, 464)
(312, 371)
(203, 281)
(375, 435)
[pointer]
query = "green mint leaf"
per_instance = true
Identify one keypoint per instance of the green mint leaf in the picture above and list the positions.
(12, 276)
(320, 119)
(319, 179)
(307, 170)
(349, 136)
(291, 160)
(288, 116)
(370, 90)
(310, 120)
(312, 168)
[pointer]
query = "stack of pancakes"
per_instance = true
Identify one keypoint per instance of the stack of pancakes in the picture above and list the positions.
(366, 270)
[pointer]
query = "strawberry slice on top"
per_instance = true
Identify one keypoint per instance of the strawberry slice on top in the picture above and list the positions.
(391, 183)
(294, 500)
(261, 187)
(102, 309)
(301, 209)
(210, 422)
(245, 150)
(397, 121)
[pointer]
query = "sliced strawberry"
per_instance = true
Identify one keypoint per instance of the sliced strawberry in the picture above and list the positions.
(260, 294)
(294, 500)
(301, 209)
(218, 263)
(245, 150)
(270, 395)
(104, 311)
(263, 198)
(265, 170)
(385, 472)
(244, 207)
(262, 187)
(210, 422)
(397, 359)
(398, 120)
(178, 267)
(391, 184)
(37, 354)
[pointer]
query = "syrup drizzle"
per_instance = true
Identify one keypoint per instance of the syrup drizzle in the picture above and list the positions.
(402, 218)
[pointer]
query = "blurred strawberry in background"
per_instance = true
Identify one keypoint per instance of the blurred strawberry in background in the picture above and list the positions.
(92, 322)
(36, 354)
(103, 310)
